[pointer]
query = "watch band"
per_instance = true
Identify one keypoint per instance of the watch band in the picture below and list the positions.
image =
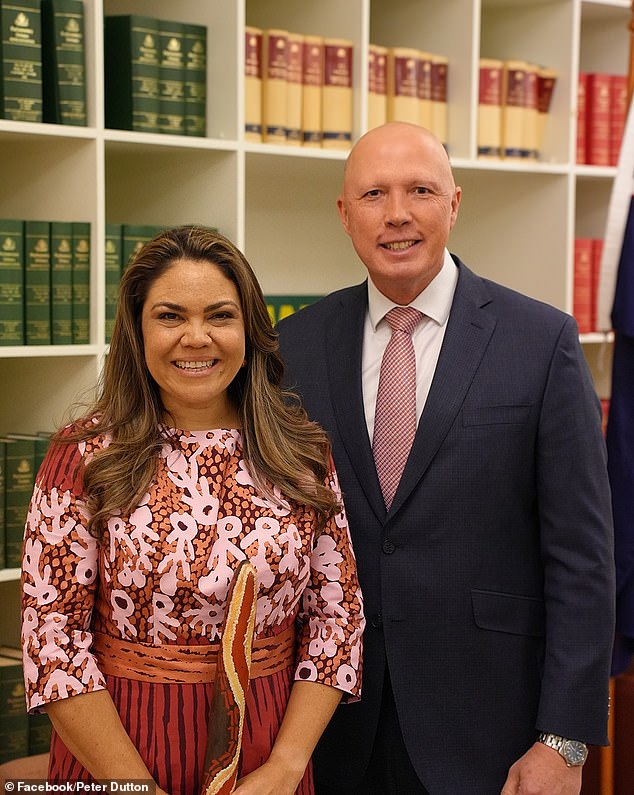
(552, 740)
(574, 752)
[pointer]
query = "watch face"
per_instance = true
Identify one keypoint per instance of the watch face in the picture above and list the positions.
(574, 752)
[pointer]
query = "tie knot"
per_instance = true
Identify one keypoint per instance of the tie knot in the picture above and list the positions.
(403, 318)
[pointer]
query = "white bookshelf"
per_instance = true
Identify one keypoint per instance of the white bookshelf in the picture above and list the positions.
(517, 222)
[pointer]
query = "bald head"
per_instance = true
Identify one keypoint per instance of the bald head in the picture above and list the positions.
(398, 205)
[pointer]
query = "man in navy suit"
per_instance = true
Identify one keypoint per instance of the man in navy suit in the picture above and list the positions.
(488, 581)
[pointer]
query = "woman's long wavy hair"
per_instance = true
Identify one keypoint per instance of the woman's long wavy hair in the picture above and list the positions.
(281, 447)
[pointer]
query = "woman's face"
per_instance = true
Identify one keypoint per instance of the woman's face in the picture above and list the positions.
(194, 341)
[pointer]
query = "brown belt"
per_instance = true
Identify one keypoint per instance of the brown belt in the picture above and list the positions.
(187, 664)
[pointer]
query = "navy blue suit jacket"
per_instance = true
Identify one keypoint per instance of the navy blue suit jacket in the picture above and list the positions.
(489, 585)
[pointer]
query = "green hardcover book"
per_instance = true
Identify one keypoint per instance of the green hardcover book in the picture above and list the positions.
(63, 61)
(3, 529)
(40, 446)
(11, 282)
(37, 282)
(171, 78)
(40, 730)
(61, 282)
(21, 60)
(14, 723)
(19, 481)
(133, 237)
(113, 274)
(281, 306)
(81, 282)
(195, 58)
(131, 72)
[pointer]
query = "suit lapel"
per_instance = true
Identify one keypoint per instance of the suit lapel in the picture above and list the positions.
(468, 333)
(344, 344)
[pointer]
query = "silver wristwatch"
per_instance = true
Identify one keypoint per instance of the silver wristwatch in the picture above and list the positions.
(574, 752)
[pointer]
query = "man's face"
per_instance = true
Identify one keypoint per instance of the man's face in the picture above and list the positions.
(398, 205)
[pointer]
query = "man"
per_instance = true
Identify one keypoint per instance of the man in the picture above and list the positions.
(484, 551)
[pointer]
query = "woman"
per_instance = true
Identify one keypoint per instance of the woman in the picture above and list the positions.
(191, 461)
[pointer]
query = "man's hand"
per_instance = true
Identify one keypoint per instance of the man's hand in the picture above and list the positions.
(542, 771)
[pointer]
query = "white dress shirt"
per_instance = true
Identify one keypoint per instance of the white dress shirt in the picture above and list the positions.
(435, 304)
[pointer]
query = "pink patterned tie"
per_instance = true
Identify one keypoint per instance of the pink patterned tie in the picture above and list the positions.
(395, 416)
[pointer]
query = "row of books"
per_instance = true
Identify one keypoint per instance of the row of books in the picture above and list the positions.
(42, 61)
(122, 243)
(20, 734)
(405, 84)
(20, 458)
(587, 262)
(155, 75)
(513, 104)
(601, 113)
(44, 282)
(297, 89)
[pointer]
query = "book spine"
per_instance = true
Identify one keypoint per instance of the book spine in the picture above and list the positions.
(281, 306)
(598, 119)
(14, 729)
(597, 252)
(21, 67)
(37, 282)
(490, 108)
(274, 85)
(195, 62)
(582, 113)
(377, 85)
(133, 238)
(312, 90)
(294, 72)
(252, 84)
(131, 76)
(425, 117)
(439, 97)
(3, 486)
(171, 78)
(113, 268)
(618, 113)
(11, 282)
(19, 479)
(582, 284)
(61, 283)
(529, 130)
(402, 85)
(546, 82)
(514, 110)
(81, 282)
(63, 59)
(337, 95)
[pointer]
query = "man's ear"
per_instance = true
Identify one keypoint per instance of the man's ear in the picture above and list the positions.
(343, 213)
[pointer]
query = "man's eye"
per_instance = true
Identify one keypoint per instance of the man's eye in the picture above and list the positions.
(421, 191)
(373, 193)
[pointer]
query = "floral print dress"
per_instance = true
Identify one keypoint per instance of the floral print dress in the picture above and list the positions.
(161, 576)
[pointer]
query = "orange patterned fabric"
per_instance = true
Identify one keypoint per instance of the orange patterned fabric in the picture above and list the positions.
(228, 707)
(162, 575)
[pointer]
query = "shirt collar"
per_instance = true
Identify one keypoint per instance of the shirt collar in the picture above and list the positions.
(434, 302)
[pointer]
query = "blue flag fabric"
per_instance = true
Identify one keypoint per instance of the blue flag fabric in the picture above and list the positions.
(620, 444)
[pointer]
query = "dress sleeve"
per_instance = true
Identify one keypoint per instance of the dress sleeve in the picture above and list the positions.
(331, 620)
(59, 583)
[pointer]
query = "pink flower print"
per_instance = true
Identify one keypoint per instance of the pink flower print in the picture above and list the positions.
(119, 538)
(203, 504)
(54, 635)
(37, 585)
(161, 620)
(222, 558)
(54, 508)
(61, 684)
(276, 504)
(86, 552)
(263, 537)
(292, 557)
(208, 616)
(122, 609)
(326, 557)
(325, 638)
(184, 530)
(346, 677)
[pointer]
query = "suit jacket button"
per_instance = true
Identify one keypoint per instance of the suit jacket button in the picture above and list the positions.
(388, 547)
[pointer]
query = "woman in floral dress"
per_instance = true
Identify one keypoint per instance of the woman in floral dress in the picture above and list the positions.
(191, 460)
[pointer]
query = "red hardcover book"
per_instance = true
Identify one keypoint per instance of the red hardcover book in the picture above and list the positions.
(598, 119)
(597, 250)
(582, 284)
(582, 106)
(618, 112)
